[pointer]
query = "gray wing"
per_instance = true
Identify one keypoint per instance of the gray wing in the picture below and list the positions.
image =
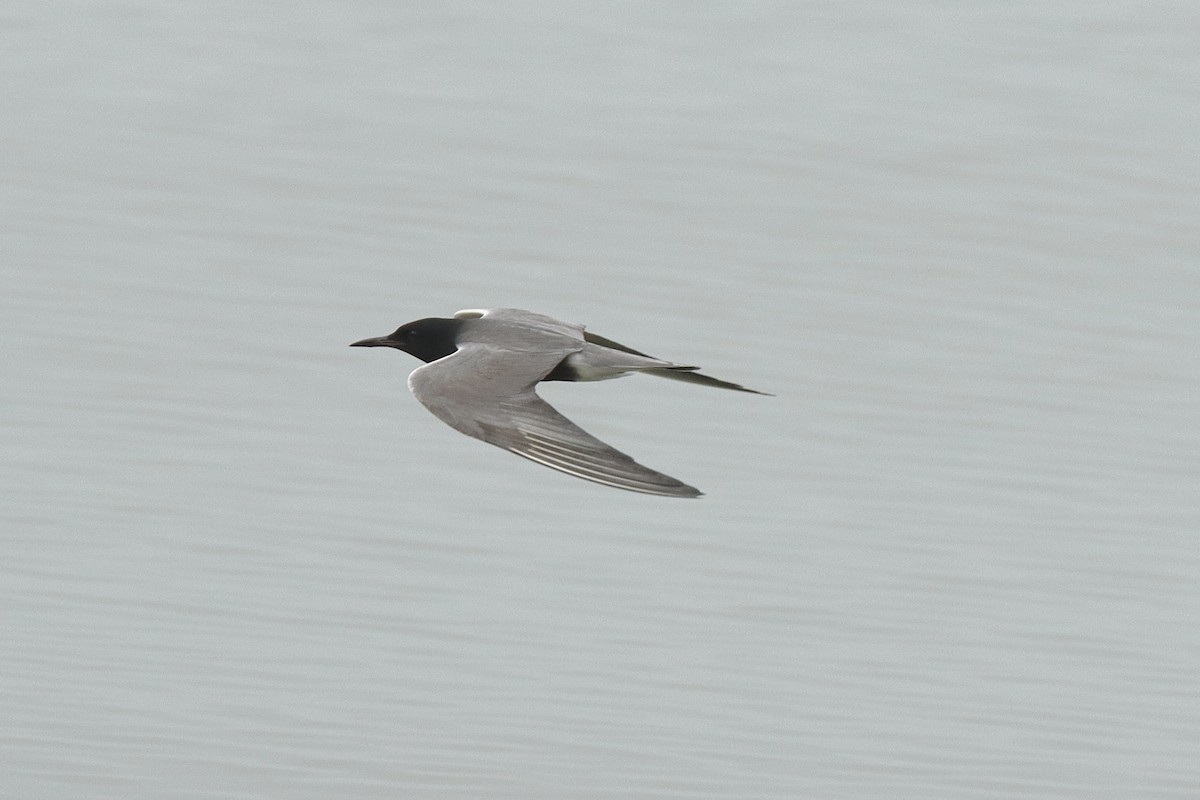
(678, 373)
(487, 392)
(519, 326)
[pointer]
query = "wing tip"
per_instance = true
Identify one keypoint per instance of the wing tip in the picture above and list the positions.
(675, 489)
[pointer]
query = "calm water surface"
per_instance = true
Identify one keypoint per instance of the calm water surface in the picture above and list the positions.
(955, 556)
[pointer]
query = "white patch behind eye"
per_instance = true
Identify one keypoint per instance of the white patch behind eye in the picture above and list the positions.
(470, 313)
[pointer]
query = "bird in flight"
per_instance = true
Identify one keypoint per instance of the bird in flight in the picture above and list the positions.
(482, 365)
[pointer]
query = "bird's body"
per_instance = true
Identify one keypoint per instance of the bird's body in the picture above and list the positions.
(479, 377)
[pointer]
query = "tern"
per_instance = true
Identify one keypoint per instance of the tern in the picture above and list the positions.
(481, 368)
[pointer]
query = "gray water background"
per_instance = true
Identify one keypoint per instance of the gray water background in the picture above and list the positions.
(954, 557)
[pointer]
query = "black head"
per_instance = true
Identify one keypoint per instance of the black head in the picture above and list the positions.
(427, 339)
